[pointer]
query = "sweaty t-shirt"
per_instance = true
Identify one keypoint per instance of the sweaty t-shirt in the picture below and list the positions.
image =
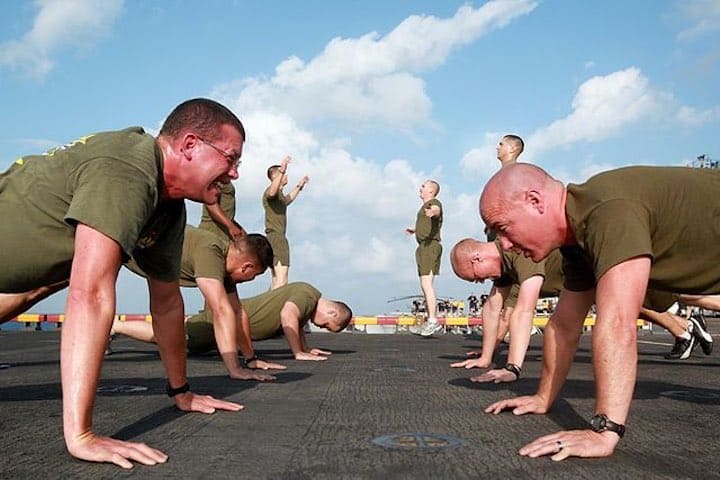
(275, 213)
(227, 205)
(428, 228)
(264, 310)
(109, 181)
(666, 213)
(203, 256)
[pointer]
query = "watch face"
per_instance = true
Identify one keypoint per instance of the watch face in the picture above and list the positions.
(598, 423)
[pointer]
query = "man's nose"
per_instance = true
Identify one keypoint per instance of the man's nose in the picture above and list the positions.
(505, 243)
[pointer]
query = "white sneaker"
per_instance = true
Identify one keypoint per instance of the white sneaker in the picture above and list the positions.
(431, 327)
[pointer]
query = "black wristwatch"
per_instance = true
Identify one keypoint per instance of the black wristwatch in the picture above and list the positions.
(600, 423)
(246, 361)
(172, 392)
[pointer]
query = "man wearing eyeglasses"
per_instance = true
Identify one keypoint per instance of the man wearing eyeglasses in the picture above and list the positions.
(88, 207)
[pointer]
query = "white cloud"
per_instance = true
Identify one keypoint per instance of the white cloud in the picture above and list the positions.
(694, 117)
(346, 229)
(602, 108)
(483, 159)
(371, 79)
(703, 15)
(58, 24)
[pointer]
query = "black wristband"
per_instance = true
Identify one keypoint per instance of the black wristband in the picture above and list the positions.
(511, 367)
(246, 361)
(171, 392)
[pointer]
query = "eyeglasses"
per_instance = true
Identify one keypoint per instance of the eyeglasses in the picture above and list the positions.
(233, 160)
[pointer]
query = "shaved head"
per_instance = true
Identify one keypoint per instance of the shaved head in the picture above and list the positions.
(476, 261)
(510, 185)
(526, 206)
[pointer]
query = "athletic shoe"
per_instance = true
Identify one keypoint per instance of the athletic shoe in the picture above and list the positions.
(682, 348)
(701, 334)
(416, 329)
(431, 327)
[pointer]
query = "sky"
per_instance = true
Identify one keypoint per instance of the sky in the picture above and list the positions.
(370, 98)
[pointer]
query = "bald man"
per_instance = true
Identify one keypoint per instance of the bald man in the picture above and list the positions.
(429, 251)
(477, 261)
(619, 232)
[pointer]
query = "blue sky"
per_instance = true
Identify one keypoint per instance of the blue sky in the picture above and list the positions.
(371, 98)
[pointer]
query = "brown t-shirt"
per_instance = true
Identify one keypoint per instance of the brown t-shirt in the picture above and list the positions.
(203, 256)
(275, 213)
(109, 181)
(428, 228)
(516, 268)
(666, 213)
(264, 310)
(227, 205)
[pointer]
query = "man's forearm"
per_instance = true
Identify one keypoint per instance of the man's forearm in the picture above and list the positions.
(226, 338)
(85, 333)
(615, 350)
(491, 321)
(520, 330)
(169, 331)
(559, 347)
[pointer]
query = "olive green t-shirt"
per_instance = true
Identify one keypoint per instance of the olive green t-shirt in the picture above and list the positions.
(203, 256)
(667, 213)
(428, 228)
(227, 205)
(516, 268)
(110, 181)
(275, 213)
(264, 310)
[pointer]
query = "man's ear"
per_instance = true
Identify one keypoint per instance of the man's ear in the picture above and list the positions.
(536, 200)
(188, 143)
(246, 266)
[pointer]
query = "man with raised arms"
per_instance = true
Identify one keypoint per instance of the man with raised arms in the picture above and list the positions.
(275, 203)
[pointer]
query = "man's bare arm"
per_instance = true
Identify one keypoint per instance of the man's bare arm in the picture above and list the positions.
(521, 321)
(276, 183)
(227, 331)
(89, 313)
(219, 217)
(491, 319)
(290, 197)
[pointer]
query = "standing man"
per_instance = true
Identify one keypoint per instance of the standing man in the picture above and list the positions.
(429, 250)
(509, 149)
(275, 203)
(219, 217)
(620, 232)
(88, 207)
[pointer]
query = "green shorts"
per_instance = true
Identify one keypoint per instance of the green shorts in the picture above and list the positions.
(427, 257)
(281, 248)
(200, 333)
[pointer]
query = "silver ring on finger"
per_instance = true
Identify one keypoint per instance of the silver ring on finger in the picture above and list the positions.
(560, 445)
